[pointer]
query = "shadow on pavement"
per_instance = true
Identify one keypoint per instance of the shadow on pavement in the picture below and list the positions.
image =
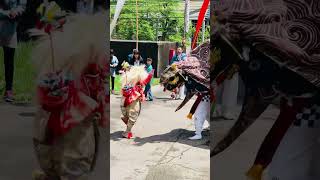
(176, 135)
(27, 114)
(116, 136)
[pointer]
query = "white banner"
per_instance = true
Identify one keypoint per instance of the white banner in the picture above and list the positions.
(120, 4)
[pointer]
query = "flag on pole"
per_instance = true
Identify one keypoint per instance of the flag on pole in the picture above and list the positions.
(201, 17)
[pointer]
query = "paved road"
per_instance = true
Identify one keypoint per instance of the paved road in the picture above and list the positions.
(238, 158)
(17, 159)
(161, 149)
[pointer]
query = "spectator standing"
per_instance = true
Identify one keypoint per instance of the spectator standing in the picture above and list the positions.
(10, 10)
(113, 68)
(179, 56)
(147, 90)
(135, 58)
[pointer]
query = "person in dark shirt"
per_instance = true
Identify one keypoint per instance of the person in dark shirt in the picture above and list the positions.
(135, 58)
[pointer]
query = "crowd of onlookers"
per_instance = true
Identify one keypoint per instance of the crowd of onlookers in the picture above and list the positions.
(227, 99)
(135, 59)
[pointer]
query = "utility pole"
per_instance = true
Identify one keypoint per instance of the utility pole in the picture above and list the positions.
(157, 29)
(203, 28)
(186, 17)
(137, 26)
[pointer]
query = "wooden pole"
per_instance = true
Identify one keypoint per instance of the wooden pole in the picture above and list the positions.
(137, 25)
(52, 53)
(186, 18)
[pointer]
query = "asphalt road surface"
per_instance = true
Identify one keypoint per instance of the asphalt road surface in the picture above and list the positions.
(161, 149)
(17, 158)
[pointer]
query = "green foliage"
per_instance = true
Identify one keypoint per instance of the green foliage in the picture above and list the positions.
(192, 30)
(163, 18)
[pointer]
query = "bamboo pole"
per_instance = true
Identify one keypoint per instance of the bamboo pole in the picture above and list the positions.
(137, 25)
(52, 53)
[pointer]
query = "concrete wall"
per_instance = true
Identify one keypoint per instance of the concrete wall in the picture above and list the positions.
(163, 55)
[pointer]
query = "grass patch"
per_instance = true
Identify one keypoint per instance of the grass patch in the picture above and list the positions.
(23, 83)
(117, 83)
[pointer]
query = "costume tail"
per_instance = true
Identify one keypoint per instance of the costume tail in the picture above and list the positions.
(189, 95)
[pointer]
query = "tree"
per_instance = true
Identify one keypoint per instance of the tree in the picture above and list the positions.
(158, 20)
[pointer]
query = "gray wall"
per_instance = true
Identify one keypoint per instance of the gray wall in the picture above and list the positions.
(163, 55)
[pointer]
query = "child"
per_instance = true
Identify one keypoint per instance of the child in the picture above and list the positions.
(133, 82)
(72, 102)
(147, 91)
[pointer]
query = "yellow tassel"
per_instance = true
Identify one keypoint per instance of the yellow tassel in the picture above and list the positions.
(174, 67)
(52, 11)
(255, 172)
(190, 116)
(40, 9)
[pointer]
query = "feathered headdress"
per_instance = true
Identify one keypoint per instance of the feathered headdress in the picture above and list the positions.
(82, 41)
(125, 65)
(134, 75)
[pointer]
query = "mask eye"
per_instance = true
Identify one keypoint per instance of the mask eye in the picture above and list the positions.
(171, 78)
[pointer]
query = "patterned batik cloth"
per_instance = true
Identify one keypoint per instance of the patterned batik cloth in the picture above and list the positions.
(309, 117)
(286, 30)
(206, 98)
(196, 66)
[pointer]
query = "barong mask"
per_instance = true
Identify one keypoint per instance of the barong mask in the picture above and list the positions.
(172, 78)
(193, 72)
(284, 42)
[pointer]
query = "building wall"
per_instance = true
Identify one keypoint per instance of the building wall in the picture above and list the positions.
(163, 55)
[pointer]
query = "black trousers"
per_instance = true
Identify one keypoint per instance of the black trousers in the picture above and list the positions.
(112, 82)
(8, 66)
